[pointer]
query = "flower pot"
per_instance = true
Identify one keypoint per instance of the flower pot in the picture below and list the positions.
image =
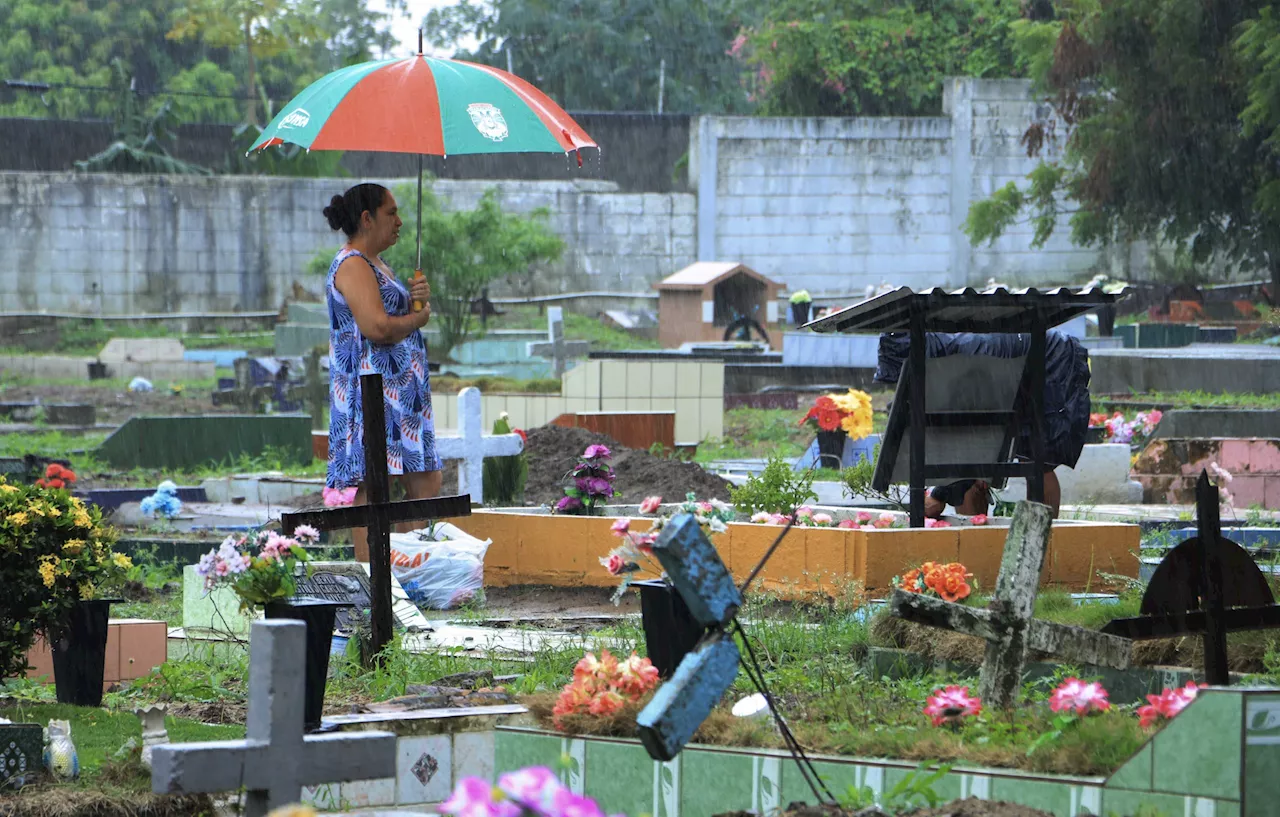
(831, 448)
(318, 615)
(80, 653)
(670, 632)
(97, 370)
(800, 313)
(1106, 320)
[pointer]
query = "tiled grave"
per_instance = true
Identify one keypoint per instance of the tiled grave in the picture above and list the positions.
(1219, 758)
(435, 748)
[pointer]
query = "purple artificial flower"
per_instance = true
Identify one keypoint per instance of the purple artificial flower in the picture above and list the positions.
(599, 486)
(534, 787)
(568, 804)
(568, 503)
(474, 797)
(594, 452)
(582, 484)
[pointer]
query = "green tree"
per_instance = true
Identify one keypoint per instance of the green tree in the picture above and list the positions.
(204, 93)
(871, 58)
(1171, 109)
(606, 55)
(465, 251)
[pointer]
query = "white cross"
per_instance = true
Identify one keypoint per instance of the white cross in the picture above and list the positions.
(555, 347)
(275, 760)
(472, 445)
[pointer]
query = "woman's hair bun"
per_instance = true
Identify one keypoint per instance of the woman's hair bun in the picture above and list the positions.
(335, 213)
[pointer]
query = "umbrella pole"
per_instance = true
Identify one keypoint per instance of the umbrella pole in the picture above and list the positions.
(417, 273)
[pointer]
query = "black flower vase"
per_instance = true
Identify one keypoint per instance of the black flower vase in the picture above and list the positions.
(831, 448)
(670, 632)
(800, 313)
(318, 615)
(80, 653)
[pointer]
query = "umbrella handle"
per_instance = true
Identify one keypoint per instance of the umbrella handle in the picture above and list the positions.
(417, 276)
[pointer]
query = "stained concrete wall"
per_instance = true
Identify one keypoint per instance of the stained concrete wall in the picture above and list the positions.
(834, 205)
(119, 245)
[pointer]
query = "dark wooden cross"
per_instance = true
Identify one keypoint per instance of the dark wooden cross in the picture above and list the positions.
(1007, 624)
(380, 513)
(1206, 586)
(314, 392)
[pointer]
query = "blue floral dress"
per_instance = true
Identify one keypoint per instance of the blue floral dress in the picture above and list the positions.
(406, 387)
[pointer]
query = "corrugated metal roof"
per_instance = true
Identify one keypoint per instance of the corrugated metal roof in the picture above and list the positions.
(966, 310)
(701, 273)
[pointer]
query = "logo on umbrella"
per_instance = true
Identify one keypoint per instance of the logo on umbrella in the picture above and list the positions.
(488, 120)
(297, 118)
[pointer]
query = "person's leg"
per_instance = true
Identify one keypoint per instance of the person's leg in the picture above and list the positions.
(976, 500)
(1052, 492)
(419, 485)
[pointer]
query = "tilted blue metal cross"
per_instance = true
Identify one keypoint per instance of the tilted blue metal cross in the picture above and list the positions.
(680, 706)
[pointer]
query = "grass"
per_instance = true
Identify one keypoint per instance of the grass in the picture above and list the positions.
(87, 337)
(1187, 399)
(751, 433)
(576, 327)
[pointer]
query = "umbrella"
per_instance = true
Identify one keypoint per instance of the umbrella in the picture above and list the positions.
(424, 105)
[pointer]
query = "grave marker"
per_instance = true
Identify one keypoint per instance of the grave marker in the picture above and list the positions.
(555, 348)
(1206, 586)
(379, 514)
(275, 760)
(472, 445)
(1007, 624)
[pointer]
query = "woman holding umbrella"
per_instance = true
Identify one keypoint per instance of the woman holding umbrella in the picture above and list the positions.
(374, 328)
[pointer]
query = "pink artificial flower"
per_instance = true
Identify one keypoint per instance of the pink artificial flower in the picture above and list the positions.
(474, 797)
(534, 786)
(606, 703)
(613, 563)
(597, 452)
(847, 524)
(565, 803)
(822, 519)
(780, 519)
(1076, 696)
(761, 517)
(885, 520)
(978, 519)
(804, 512)
(864, 517)
(621, 526)
(221, 568)
(936, 523)
(1168, 703)
(339, 497)
(306, 533)
(951, 705)
(870, 527)
(651, 504)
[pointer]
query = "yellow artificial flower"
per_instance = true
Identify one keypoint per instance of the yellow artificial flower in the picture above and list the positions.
(19, 519)
(123, 562)
(73, 546)
(87, 591)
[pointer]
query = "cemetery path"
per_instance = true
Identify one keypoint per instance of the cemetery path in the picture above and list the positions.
(969, 807)
(116, 405)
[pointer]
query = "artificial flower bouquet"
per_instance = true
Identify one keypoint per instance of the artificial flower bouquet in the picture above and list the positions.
(270, 574)
(57, 554)
(531, 792)
(850, 412)
(1127, 432)
(592, 483)
(56, 476)
(634, 556)
(945, 581)
(602, 686)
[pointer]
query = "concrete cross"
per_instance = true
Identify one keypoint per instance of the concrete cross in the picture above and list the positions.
(1007, 624)
(275, 760)
(314, 392)
(379, 514)
(472, 445)
(555, 347)
(245, 395)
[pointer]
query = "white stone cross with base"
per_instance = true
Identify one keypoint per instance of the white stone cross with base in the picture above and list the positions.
(472, 445)
(555, 347)
(1007, 623)
(275, 760)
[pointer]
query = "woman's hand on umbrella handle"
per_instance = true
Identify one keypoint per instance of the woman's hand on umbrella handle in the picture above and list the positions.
(421, 292)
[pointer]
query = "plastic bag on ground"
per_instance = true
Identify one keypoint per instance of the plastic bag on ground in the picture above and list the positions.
(441, 567)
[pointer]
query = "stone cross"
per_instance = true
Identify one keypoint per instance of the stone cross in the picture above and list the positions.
(379, 514)
(275, 760)
(249, 398)
(1007, 624)
(555, 347)
(472, 445)
(314, 392)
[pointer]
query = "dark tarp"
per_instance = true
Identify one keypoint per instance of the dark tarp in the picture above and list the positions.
(1066, 381)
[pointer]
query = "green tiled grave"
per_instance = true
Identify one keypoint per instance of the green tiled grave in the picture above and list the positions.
(1188, 758)
(177, 443)
(619, 777)
(1135, 773)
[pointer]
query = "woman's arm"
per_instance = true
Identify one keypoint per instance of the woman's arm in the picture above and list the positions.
(356, 280)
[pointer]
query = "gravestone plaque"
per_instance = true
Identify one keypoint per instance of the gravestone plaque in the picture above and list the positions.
(21, 753)
(348, 586)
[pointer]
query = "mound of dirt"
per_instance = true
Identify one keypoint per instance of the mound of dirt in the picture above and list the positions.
(553, 451)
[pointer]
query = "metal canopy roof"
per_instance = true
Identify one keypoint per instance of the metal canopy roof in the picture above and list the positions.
(966, 310)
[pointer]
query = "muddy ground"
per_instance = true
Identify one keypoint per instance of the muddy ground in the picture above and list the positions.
(116, 405)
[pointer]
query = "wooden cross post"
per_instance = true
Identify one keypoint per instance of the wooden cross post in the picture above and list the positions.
(555, 347)
(275, 760)
(1207, 586)
(1007, 624)
(379, 514)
